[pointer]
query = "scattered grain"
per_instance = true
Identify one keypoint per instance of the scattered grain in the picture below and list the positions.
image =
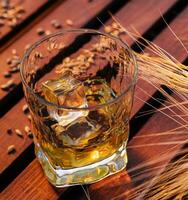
(30, 134)
(53, 45)
(15, 62)
(91, 60)
(12, 23)
(56, 24)
(14, 52)
(27, 129)
(20, 9)
(7, 85)
(14, 69)
(4, 87)
(38, 54)
(16, 57)
(27, 46)
(67, 59)
(9, 131)
(86, 51)
(7, 74)
(25, 109)
(115, 33)
(19, 133)
(108, 29)
(40, 31)
(48, 32)
(9, 60)
(11, 149)
(69, 22)
(61, 46)
(29, 117)
(87, 65)
(19, 16)
(10, 83)
(115, 25)
(2, 23)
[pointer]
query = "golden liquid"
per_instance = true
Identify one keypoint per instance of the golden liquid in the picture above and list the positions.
(91, 137)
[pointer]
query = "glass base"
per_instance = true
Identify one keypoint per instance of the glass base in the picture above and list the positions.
(83, 175)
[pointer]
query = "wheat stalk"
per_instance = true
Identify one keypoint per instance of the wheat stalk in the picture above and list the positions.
(160, 68)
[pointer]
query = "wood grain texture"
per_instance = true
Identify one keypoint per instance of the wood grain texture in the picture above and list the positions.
(141, 20)
(23, 187)
(10, 117)
(64, 11)
(23, 144)
(29, 9)
(14, 119)
(103, 189)
(140, 148)
(144, 28)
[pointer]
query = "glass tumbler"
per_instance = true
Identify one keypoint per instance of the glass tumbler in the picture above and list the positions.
(79, 86)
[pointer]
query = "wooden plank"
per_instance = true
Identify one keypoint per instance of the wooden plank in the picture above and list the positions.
(7, 160)
(42, 191)
(128, 15)
(11, 120)
(77, 14)
(15, 122)
(92, 10)
(119, 184)
(140, 152)
(29, 7)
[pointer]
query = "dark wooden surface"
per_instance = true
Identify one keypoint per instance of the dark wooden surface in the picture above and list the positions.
(21, 175)
(30, 11)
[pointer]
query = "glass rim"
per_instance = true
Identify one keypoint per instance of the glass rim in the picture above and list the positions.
(82, 31)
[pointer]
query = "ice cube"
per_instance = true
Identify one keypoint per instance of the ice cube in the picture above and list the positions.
(98, 92)
(65, 91)
(55, 90)
(78, 133)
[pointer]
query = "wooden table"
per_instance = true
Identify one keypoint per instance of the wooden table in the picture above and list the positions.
(21, 175)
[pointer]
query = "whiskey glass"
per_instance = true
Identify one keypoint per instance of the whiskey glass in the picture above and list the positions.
(79, 86)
